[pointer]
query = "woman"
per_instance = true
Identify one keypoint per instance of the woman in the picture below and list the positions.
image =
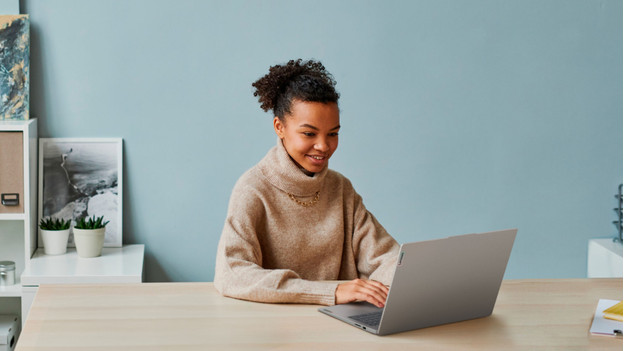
(295, 230)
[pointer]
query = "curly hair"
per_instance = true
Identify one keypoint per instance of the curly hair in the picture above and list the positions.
(295, 80)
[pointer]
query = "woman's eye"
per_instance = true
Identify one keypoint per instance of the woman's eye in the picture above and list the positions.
(333, 134)
(308, 134)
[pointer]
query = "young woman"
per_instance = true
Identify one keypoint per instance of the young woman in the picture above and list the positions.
(296, 231)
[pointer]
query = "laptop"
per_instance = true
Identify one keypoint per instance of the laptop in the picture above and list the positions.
(436, 282)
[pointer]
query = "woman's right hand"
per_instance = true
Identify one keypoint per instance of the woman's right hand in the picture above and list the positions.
(362, 290)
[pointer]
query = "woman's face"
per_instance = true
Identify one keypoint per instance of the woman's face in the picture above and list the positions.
(310, 133)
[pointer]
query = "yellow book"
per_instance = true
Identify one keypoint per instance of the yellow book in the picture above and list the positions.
(614, 312)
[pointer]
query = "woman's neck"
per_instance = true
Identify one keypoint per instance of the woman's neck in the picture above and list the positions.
(305, 171)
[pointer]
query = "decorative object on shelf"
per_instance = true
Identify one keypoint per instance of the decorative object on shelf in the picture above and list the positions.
(80, 178)
(9, 331)
(55, 233)
(89, 236)
(11, 172)
(618, 209)
(7, 273)
(14, 67)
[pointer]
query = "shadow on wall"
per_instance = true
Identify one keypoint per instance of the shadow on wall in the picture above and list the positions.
(155, 273)
(152, 270)
(37, 97)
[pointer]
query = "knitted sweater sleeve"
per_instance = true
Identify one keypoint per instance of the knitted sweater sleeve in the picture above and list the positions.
(374, 249)
(239, 272)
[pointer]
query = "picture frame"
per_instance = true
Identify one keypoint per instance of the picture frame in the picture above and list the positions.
(82, 177)
(15, 67)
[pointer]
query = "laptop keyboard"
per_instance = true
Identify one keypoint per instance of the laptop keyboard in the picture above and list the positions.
(370, 319)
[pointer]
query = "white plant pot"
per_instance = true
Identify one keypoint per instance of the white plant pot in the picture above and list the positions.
(89, 242)
(55, 241)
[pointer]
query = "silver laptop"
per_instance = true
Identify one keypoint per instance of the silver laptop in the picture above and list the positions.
(436, 282)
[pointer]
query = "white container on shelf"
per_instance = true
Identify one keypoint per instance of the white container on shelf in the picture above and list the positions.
(55, 241)
(7, 273)
(89, 242)
(9, 331)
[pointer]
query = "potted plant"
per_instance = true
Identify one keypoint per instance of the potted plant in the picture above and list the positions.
(54, 232)
(89, 236)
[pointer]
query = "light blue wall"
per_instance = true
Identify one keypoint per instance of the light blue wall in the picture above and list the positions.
(9, 7)
(458, 116)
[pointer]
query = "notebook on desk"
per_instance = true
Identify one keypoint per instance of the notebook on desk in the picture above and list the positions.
(436, 282)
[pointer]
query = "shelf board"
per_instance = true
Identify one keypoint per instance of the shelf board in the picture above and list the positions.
(13, 290)
(12, 216)
(115, 265)
(15, 125)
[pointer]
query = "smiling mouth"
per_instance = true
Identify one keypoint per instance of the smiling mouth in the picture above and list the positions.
(320, 158)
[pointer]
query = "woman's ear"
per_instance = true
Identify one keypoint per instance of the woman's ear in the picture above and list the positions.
(279, 127)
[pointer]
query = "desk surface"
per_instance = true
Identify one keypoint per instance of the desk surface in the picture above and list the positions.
(529, 314)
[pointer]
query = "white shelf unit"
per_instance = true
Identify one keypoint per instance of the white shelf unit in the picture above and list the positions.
(18, 231)
(116, 265)
(604, 258)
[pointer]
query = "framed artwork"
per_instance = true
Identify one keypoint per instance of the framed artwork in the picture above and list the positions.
(14, 67)
(82, 178)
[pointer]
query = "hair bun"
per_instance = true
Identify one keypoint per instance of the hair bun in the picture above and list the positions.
(306, 79)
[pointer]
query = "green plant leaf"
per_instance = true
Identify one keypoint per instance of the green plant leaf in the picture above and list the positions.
(51, 223)
(91, 223)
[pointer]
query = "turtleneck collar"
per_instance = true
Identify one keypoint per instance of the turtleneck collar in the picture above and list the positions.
(283, 173)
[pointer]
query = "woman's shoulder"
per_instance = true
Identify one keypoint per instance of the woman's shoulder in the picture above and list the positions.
(249, 180)
(248, 194)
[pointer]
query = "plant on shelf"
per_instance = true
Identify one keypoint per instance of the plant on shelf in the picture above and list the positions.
(54, 233)
(52, 223)
(89, 236)
(91, 223)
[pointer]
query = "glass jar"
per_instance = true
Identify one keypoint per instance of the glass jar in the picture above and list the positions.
(7, 273)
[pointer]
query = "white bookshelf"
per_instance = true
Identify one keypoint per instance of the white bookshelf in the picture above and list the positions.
(18, 231)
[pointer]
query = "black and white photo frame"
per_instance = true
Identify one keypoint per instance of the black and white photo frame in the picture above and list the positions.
(82, 177)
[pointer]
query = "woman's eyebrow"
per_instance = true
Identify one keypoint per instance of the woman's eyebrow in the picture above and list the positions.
(305, 125)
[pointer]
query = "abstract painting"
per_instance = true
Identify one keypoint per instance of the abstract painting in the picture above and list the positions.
(82, 178)
(14, 67)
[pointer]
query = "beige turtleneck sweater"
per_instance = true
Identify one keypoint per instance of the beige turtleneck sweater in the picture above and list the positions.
(273, 249)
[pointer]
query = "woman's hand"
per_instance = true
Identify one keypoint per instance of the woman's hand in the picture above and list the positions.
(362, 290)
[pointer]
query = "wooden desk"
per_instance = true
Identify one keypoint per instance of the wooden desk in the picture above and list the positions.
(529, 315)
(115, 265)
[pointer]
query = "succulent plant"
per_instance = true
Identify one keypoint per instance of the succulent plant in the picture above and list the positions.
(51, 223)
(91, 223)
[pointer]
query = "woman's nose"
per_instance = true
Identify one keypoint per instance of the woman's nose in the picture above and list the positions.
(322, 145)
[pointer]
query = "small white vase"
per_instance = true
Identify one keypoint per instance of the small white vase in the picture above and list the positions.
(55, 241)
(89, 242)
